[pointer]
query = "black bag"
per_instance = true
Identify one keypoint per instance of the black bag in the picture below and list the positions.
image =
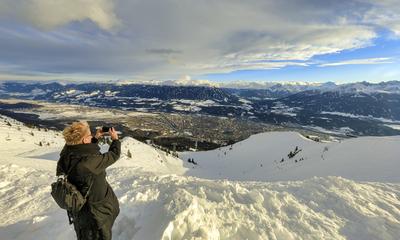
(66, 195)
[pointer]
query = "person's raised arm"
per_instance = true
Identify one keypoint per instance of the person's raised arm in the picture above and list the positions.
(98, 163)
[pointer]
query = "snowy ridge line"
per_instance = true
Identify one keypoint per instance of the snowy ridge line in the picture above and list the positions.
(259, 158)
(290, 86)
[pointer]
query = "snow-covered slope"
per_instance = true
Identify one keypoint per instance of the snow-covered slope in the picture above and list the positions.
(147, 158)
(159, 201)
(265, 157)
(24, 145)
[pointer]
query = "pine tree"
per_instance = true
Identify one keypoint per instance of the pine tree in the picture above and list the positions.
(129, 154)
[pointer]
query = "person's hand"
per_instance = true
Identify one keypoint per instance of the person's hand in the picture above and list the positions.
(113, 133)
(99, 133)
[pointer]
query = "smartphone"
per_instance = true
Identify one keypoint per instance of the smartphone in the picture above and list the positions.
(105, 129)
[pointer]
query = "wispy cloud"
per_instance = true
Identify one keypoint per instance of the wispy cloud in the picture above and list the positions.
(358, 62)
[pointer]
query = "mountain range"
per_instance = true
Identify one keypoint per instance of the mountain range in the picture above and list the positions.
(361, 108)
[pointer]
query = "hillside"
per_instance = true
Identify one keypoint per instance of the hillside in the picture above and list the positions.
(160, 200)
(265, 157)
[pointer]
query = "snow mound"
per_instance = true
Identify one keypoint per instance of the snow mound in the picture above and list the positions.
(181, 207)
(319, 208)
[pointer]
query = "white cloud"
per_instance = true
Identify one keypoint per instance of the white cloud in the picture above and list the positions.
(358, 62)
(49, 14)
(169, 38)
(384, 13)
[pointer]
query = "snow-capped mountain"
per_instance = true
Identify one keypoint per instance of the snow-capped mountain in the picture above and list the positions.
(190, 89)
(55, 91)
(188, 81)
(281, 86)
(389, 87)
(161, 197)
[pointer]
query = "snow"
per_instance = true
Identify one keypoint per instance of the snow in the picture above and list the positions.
(148, 159)
(389, 87)
(163, 197)
(393, 126)
(187, 81)
(201, 103)
(334, 131)
(244, 101)
(109, 93)
(350, 115)
(189, 105)
(259, 158)
(72, 92)
(283, 109)
(186, 108)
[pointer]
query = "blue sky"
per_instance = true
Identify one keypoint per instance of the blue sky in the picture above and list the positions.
(222, 41)
(315, 73)
(385, 48)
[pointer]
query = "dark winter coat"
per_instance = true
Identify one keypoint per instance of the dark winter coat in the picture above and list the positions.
(102, 204)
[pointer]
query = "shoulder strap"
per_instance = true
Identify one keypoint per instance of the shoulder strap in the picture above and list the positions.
(70, 169)
(90, 187)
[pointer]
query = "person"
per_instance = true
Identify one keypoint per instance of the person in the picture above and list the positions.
(81, 154)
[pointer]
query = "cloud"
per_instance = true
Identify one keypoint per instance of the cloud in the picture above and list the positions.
(384, 13)
(168, 38)
(49, 14)
(358, 62)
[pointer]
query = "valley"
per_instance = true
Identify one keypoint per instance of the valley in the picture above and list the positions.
(359, 109)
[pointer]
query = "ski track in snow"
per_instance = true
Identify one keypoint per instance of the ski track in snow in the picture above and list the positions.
(159, 200)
